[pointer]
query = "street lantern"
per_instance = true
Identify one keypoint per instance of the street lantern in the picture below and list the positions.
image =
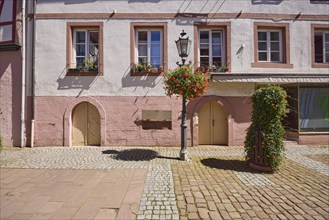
(183, 47)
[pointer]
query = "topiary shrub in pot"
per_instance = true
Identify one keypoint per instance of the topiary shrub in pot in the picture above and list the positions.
(264, 141)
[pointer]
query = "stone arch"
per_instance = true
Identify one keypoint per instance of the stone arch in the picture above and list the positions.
(68, 119)
(230, 117)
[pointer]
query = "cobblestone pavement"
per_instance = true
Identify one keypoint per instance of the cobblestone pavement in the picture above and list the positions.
(215, 184)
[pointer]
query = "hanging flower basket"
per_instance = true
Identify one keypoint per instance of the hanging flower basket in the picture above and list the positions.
(185, 81)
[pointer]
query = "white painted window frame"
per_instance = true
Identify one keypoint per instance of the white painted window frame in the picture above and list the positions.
(86, 44)
(149, 44)
(268, 47)
(210, 57)
(325, 40)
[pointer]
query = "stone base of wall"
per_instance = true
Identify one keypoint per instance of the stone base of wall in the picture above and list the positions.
(308, 139)
(314, 139)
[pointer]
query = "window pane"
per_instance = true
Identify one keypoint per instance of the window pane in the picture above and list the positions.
(204, 61)
(93, 50)
(262, 56)
(216, 37)
(142, 60)
(275, 36)
(326, 35)
(142, 50)
(327, 58)
(80, 50)
(216, 50)
(204, 52)
(217, 61)
(327, 47)
(313, 111)
(79, 61)
(93, 37)
(155, 50)
(204, 37)
(142, 36)
(262, 46)
(318, 48)
(275, 46)
(80, 37)
(275, 56)
(155, 36)
(262, 36)
(155, 61)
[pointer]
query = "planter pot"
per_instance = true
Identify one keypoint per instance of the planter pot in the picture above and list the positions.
(260, 168)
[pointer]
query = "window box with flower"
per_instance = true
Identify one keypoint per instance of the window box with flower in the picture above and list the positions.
(146, 69)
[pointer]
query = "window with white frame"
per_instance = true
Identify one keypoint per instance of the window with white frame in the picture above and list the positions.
(270, 46)
(149, 47)
(211, 49)
(86, 48)
(321, 46)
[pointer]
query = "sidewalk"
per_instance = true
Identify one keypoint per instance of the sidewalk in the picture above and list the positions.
(151, 183)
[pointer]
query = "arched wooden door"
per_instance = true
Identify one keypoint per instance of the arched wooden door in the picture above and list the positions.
(85, 125)
(212, 124)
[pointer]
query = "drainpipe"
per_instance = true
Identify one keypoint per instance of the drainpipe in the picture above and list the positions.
(23, 74)
(33, 73)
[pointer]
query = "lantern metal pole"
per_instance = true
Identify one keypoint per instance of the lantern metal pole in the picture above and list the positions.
(183, 151)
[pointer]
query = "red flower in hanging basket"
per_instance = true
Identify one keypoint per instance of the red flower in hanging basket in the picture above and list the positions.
(185, 81)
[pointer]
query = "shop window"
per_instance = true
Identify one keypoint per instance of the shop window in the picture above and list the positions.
(314, 109)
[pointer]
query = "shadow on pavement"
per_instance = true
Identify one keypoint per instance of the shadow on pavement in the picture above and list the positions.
(231, 164)
(136, 155)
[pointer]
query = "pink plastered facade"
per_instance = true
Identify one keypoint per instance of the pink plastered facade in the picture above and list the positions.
(121, 120)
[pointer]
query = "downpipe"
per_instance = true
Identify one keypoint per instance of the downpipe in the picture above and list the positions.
(23, 135)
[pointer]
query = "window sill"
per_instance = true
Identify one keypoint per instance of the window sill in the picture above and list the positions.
(146, 73)
(320, 65)
(78, 72)
(10, 47)
(272, 65)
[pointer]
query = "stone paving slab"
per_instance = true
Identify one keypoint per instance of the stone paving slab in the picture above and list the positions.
(70, 194)
(165, 195)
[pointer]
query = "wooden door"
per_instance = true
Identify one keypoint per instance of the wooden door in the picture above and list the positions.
(212, 124)
(85, 125)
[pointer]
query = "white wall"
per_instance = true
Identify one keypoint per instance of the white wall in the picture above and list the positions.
(172, 6)
(116, 81)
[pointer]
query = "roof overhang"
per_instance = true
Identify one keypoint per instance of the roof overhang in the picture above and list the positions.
(270, 78)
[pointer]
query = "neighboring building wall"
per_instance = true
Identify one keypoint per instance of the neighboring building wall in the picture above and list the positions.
(123, 96)
(10, 96)
(10, 72)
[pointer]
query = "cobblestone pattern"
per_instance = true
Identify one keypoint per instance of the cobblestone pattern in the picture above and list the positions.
(253, 179)
(209, 189)
(299, 154)
(158, 200)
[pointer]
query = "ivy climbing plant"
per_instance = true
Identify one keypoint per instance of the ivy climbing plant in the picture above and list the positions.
(266, 130)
